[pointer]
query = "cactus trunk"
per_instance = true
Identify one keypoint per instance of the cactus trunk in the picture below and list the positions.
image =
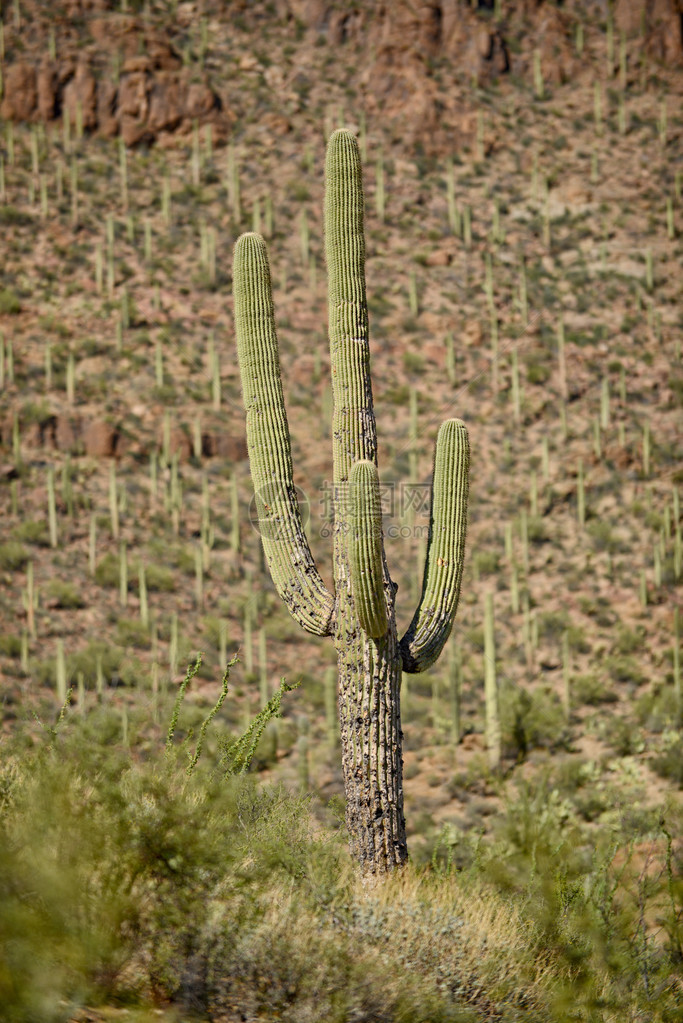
(369, 668)
(371, 742)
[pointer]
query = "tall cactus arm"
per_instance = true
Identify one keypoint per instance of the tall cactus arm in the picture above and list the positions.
(432, 622)
(286, 548)
(365, 549)
(354, 432)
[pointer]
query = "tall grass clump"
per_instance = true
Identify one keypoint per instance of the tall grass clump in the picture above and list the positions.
(178, 881)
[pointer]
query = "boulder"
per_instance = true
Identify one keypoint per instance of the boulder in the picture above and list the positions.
(661, 23)
(20, 92)
(48, 88)
(552, 36)
(440, 257)
(80, 94)
(220, 445)
(178, 443)
(100, 439)
(165, 103)
(200, 100)
(66, 433)
(107, 117)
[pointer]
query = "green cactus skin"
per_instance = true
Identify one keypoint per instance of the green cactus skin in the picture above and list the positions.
(361, 615)
(284, 542)
(365, 549)
(432, 623)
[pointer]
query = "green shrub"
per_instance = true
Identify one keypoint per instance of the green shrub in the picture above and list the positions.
(212, 630)
(158, 577)
(592, 802)
(625, 669)
(624, 738)
(571, 774)
(399, 395)
(32, 531)
(84, 662)
(10, 645)
(603, 536)
(413, 362)
(181, 556)
(9, 303)
(592, 690)
(64, 594)
(669, 763)
(107, 570)
(656, 710)
(552, 624)
(487, 562)
(577, 639)
(537, 373)
(123, 865)
(10, 216)
(13, 556)
(537, 530)
(131, 632)
(629, 640)
(529, 720)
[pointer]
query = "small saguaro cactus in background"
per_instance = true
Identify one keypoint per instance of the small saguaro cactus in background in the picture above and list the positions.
(360, 614)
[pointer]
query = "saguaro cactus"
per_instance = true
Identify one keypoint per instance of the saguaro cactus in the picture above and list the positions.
(360, 614)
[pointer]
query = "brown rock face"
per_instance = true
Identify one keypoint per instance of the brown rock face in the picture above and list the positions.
(153, 95)
(342, 26)
(481, 53)
(165, 103)
(178, 443)
(21, 92)
(66, 433)
(439, 258)
(661, 22)
(100, 440)
(665, 31)
(404, 40)
(410, 49)
(107, 119)
(234, 449)
(132, 96)
(48, 86)
(79, 97)
(40, 434)
(553, 41)
(133, 107)
(200, 101)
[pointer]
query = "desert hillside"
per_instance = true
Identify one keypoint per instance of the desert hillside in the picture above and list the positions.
(523, 168)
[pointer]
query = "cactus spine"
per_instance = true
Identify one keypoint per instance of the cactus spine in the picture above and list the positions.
(360, 615)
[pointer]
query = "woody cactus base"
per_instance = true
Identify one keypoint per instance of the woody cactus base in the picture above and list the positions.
(360, 614)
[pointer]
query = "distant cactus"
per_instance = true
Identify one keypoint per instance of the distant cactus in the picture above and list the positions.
(360, 614)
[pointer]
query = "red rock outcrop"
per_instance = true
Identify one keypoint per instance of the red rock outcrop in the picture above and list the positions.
(414, 54)
(659, 22)
(20, 92)
(152, 95)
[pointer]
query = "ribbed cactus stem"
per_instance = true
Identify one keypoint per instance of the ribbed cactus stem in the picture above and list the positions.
(493, 738)
(353, 427)
(361, 615)
(365, 549)
(369, 668)
(284, 541)
(432, 623)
